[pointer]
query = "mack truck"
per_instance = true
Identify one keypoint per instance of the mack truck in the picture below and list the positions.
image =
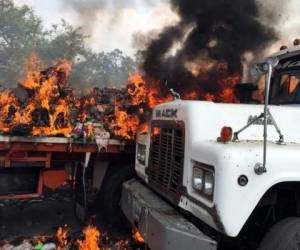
(222, 176)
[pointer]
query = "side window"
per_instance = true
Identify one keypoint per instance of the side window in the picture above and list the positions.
(287, 89)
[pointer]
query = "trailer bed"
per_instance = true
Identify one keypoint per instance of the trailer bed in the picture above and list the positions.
(59, 144)
(26, 163)
(18, 150)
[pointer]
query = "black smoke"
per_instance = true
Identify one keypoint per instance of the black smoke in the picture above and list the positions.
(218, 31)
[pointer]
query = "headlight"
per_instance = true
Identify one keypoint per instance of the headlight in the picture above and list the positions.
(204, 179)
(198, 179)
(209, 184)
(141, 154)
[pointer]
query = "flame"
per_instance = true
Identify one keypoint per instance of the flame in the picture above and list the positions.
(43, 94)
(125, 125)
(156, 131)
(147, 95)
(155, 99)
(192, 95)
(293, 84)
(142, 92)
(137, 88)
(227, 94)
(136, 235)
(8, 102)
(32, 71)
(62, 237)
(144, 128)
(91, 239)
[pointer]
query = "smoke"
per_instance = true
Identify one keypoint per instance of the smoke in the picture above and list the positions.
(112, 24)
(88, 11)
(209, 44)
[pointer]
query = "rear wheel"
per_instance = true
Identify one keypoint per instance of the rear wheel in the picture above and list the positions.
(110, 194)
(285, 235)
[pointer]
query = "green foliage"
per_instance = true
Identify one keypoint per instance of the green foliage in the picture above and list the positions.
(62, 41)
(103, 69)
(22, 33)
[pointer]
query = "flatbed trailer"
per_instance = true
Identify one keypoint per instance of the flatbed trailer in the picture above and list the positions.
(48, 150)
(29, 164)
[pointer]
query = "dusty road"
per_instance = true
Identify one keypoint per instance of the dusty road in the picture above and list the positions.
(43, 218)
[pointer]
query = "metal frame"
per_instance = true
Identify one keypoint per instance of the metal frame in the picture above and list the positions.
(266, 68)
(9, 146)
(38, 193)
(54, 151)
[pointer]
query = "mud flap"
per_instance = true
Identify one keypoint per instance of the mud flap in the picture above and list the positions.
(160, 224)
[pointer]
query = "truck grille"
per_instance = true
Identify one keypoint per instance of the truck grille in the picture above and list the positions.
(166, 158)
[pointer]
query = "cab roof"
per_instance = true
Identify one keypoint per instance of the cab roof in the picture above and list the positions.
(288, 52)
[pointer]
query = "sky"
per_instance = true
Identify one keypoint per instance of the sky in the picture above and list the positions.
(114, 24)
(110, 24)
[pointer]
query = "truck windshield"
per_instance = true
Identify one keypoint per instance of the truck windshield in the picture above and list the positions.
(285, 88)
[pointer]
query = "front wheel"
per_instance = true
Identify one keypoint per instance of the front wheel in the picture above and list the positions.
(110, 193)
(285, 235)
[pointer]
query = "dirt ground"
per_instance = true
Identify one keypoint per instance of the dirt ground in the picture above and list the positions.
(40, 218)
(43, 218)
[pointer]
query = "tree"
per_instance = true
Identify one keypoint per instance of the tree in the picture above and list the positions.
(103, 69)
(62, 41)
(22, 33)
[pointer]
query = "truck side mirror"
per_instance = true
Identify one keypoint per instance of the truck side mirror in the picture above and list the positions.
(259, 69)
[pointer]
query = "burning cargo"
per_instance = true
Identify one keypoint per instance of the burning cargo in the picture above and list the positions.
(44, 104)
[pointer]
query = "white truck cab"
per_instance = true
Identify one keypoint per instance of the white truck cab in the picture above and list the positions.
(214, 176)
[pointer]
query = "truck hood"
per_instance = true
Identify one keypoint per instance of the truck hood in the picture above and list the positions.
(204, 120)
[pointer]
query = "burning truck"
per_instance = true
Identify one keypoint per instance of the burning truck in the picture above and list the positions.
(52, 137)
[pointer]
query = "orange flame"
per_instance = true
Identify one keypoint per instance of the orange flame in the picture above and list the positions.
(136, 235)
(144, 128)
(62, 237)
(137, 88)
(45, 88)
(32, 72)
(91, 239)
(44, 91)
(125, 125)
(141, 92)
(156, 131)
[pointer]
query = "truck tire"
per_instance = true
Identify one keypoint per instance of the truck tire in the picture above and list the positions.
(285, 235)
(108, 203)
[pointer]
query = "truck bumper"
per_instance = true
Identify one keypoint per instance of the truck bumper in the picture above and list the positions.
(161, 226)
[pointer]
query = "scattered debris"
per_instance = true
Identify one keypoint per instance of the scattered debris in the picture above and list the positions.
(90, 239)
